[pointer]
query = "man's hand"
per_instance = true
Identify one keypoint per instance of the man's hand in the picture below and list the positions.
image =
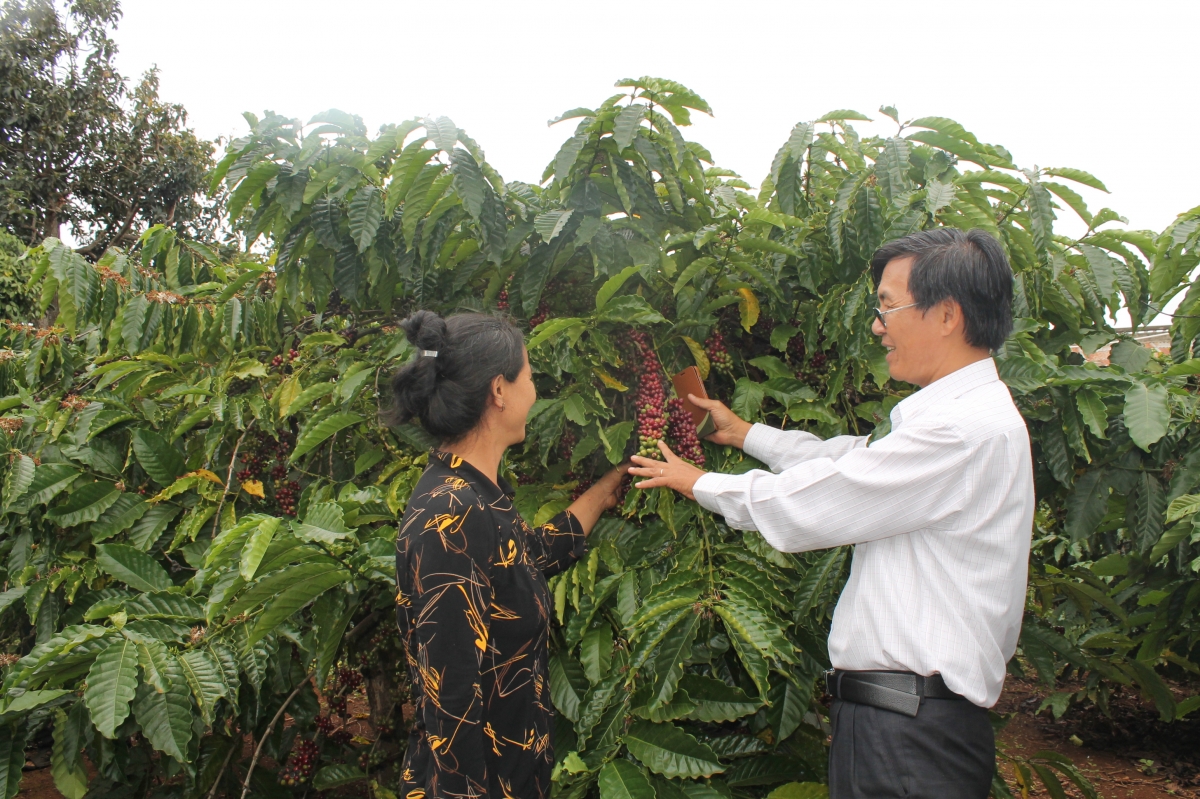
(675, 473)
(730, 429)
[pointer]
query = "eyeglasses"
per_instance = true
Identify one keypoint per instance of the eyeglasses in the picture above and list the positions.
(880, 314)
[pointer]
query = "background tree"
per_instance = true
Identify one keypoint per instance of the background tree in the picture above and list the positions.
(78, 146)
(18, 300)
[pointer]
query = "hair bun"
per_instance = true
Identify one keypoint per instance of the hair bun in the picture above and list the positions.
(449, 393)
(425, 330)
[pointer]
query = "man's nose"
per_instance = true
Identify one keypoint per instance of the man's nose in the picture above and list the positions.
(877, 327)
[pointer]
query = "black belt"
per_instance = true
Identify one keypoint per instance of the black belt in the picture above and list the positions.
(897, 691)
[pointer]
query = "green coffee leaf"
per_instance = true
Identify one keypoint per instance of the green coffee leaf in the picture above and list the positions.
(312, 437)
(112, 681)
(166, 716)
(66, 765)
(132, 567)
(620, 779)
(85, 504)
(1146, 413)
(671, 752)
(157, 456)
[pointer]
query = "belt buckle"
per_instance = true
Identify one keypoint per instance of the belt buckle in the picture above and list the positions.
(831, 683)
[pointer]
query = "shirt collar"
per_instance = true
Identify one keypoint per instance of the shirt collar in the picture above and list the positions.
(487, 490)
(950, 387)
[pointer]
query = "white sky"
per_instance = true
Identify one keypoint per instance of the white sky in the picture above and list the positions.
(1104, 86)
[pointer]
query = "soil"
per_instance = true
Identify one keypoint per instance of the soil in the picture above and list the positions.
(1130, 755)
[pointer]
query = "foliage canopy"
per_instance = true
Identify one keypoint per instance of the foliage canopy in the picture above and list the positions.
(200, 501)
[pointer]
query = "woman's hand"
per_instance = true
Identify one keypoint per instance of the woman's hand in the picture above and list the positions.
(602, 496)
(675, 473)
(731, 430)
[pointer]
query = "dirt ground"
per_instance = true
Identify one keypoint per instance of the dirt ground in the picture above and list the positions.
(1132, 755)
(1129, 756)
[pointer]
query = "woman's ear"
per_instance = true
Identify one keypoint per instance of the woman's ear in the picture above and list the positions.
(497, 395)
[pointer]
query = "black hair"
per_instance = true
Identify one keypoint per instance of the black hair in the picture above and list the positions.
(968, 267)
(448, 392)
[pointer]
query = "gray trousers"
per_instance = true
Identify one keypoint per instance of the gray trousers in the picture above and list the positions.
(947, 752)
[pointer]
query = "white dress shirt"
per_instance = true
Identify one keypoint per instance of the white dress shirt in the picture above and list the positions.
(941, 510)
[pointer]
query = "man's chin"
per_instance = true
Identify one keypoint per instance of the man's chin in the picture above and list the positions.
(896, 368)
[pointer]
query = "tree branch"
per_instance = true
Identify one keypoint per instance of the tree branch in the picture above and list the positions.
(104, 239)
(228, 756)
(229, 478)
(267, 734)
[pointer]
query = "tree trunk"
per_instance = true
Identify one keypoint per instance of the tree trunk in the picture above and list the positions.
(382, 699)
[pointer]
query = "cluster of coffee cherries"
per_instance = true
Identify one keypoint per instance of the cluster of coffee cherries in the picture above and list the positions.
(301, 764)
(259, 449)
(540, 315)
(277, 361)
(382, 649)
(287, 492)
(718, 355)
(574, 295)
(502, 300)
(348, 679)
(682, 430)
(580, 489)
(651, 397)
(325, 725)
(372, 758)
(567, 443)
(345, 682)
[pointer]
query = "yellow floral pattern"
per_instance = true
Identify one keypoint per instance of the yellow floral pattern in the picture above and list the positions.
(474, 611)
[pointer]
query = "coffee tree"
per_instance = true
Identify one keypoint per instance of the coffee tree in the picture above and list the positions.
(200, 500)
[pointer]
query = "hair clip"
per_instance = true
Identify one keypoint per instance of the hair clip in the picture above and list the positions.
(430, 353)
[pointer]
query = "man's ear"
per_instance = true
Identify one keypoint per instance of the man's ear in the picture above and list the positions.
(951, 316)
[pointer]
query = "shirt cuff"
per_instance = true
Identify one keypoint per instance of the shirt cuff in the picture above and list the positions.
(706, 488)
(758, 442)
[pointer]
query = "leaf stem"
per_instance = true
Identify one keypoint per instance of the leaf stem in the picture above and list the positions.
(216, 782)
(229, 478)
(267, 734)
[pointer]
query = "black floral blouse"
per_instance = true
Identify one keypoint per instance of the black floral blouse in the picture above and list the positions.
(474, 612)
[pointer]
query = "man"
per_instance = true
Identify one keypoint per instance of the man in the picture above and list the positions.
(941, 510)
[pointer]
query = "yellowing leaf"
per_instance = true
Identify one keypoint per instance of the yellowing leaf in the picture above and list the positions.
(609, 380)
(748, 306)
(207, 475)
(699, 356)
(254, 488)
(288, 391)
(185, 483)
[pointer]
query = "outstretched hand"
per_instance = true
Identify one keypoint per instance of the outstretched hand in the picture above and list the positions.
(602, 496)
(731, 430)
(675, 473)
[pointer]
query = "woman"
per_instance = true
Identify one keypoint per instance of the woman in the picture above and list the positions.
(472, 600)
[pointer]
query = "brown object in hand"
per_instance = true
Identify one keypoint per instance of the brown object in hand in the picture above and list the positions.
(688, 382)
